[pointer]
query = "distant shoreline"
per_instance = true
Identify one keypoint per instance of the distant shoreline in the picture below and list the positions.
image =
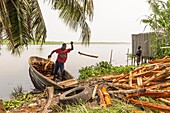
(55, 43)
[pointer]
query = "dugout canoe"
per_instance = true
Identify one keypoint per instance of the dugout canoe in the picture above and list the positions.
(42, 78)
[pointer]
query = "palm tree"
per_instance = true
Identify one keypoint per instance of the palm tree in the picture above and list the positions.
(22, 23)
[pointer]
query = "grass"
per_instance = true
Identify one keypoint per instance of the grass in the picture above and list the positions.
(117, 107)
(18, 98)
(18, 91)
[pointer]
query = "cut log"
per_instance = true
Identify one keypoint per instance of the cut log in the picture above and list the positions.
(124, 86)
(166, 64)
(106, 97)
(130, 78)
(159, 61)
(146, 73)
(166, 57)
(102, 101)
(2, 108)
(152, 106)
(131, 91)
(87, 55)
(161, 91)
(137, 69)
(121, 77)
(151, 94)
(50, 93)
(164, 100)
(94, 91)
(108, 77)
(163, 77)
(159, 85)
(165, 71)
(139, 81)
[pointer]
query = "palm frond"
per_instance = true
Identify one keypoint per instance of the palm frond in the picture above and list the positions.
(75, 14)
(23, 23)
(38, 23)
(5, 22)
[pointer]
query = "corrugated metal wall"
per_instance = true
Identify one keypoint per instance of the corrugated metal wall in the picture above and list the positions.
(143, 40)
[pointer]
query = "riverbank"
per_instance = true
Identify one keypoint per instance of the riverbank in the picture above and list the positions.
(141, 90)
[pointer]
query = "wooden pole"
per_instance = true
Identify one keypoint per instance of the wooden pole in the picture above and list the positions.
(127, 56)
(111, 56)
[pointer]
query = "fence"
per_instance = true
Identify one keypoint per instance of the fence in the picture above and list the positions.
(143, 40)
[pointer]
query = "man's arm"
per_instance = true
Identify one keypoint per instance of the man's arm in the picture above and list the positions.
(72, 47)
(49, 56)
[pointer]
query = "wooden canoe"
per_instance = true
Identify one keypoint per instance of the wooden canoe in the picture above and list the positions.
(42, 78)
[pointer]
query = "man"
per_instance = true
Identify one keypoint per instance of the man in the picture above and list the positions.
(61, 59)
(138, 54)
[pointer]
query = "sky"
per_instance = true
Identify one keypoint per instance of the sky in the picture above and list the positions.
(114, 21)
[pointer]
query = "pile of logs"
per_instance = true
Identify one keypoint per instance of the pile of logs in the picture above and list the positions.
(44, 67)
(152, 80)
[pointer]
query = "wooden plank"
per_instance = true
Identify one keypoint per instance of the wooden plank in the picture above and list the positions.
(73, 83)
(67, 83)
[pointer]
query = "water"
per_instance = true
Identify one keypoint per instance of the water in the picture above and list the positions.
(14, 69)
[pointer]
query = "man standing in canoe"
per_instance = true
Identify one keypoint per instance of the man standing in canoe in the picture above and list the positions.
(61, 58)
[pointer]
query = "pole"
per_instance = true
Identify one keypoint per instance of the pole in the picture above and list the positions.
(111, 56)
(127, 56)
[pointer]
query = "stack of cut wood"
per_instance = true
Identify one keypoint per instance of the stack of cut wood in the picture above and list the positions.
(44, 67)
(152, 80)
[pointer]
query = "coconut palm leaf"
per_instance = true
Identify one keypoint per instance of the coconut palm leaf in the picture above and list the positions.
(21, 21)
(5, 22)
(74, 13)
(23, 24)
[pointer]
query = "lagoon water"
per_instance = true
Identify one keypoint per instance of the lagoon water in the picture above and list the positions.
(14, 69)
